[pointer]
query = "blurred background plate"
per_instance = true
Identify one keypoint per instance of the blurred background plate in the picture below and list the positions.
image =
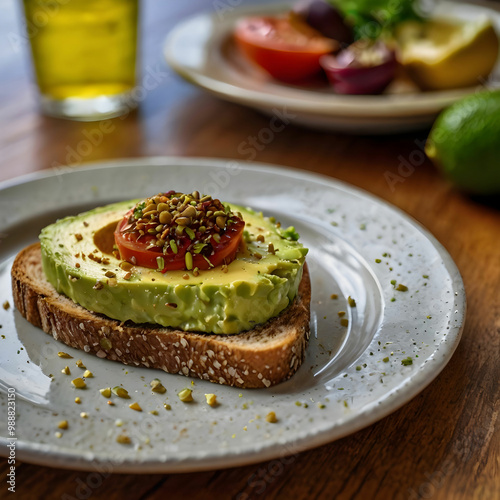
(201, 50)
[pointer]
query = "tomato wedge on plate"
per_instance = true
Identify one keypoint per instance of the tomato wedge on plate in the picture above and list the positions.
(286, 47)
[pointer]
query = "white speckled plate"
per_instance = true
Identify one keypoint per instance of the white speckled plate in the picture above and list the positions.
(351, 377)
(201, 50)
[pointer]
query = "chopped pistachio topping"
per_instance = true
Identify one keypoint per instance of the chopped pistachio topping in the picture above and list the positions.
(157, 386)
(98, 285)
(290, 233)
(123, 439)
(63, 424)
(271, 417)
(160, 261)
(79, 383)
(351, 301)
(64, 355)
(188, 261)
(135, 406)
(106, 392)
(58, 435)
(167, 406)
(154, 412)
(344, 322)
(185, 395)
(80, 364)
(120, 392)
(211, 399)
(66, 371)
(402, 288)
(78, 401)
(84, 414)
(88, 374)
(407, 361)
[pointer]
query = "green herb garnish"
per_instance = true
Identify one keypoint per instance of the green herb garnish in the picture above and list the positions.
(372, 19)
(290, 234)
(138, 210)
(198, 247)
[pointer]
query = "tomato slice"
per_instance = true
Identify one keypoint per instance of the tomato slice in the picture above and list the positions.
(137, 249)
(287, 48)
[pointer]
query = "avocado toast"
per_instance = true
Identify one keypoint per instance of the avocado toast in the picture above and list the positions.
(227, 301)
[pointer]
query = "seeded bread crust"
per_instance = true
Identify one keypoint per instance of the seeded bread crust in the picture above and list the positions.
(261, 357)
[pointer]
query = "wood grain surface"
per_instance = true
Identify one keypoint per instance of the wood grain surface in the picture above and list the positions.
(445, 443)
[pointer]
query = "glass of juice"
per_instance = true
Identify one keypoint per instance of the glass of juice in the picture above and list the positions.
(84, 55)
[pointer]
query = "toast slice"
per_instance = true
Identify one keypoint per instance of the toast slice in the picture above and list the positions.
(264, 356)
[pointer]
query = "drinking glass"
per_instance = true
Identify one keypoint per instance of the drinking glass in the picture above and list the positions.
(84, 56)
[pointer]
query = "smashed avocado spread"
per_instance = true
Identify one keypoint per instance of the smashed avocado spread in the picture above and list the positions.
(247, 287)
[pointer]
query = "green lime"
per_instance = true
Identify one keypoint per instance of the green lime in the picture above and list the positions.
(465, 143)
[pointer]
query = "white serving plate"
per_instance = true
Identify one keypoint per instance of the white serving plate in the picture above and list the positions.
(345, 229)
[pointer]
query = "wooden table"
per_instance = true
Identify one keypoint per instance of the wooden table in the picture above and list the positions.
(445, 443)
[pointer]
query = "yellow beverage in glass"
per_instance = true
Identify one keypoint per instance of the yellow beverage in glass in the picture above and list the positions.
(84, 55)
